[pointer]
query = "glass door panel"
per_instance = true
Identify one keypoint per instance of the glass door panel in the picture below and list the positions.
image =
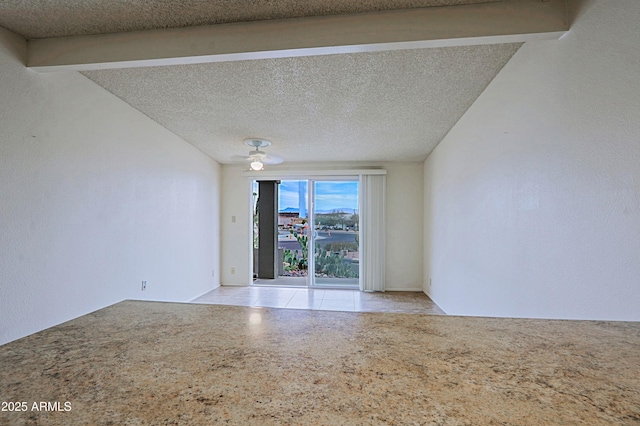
(293, 232)
(334, 244)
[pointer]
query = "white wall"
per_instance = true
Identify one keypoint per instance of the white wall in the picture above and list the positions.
(94, 198)
(532, 201)
(404, 223)
(235, 219)
(404, 226)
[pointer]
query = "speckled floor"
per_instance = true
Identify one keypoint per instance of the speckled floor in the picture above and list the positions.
(167, 363)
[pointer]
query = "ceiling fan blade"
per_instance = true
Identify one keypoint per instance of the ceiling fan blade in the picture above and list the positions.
(272, 159)
(239, 159)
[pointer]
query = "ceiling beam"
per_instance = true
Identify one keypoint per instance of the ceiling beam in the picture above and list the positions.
(485, 23)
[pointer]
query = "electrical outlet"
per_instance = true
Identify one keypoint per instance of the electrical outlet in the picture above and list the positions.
(233, 270)
(233, 219)
(144, 285)
(213, 273)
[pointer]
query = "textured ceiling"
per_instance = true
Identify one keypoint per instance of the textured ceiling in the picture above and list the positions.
(57, 18)
(394, 105)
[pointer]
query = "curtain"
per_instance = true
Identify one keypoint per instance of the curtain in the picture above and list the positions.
(372, 232)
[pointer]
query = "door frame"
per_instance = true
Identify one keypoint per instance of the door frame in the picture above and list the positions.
(311, 202)
(311, 179)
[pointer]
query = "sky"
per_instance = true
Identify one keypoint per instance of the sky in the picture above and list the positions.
(330, 195)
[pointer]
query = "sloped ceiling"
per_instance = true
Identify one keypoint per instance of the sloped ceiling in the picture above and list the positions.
(376, 106)
(371, 106)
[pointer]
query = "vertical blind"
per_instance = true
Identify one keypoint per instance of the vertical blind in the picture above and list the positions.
(372, 232)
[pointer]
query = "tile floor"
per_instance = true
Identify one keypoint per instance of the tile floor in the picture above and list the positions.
(322, 299)
(333, 283)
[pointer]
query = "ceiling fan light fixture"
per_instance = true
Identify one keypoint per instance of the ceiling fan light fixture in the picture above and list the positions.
(257, 158)
(257, 165)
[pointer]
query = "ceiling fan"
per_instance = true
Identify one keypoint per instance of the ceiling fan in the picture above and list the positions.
(258, 158)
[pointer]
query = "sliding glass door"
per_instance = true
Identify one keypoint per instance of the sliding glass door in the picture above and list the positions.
(318, 232)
